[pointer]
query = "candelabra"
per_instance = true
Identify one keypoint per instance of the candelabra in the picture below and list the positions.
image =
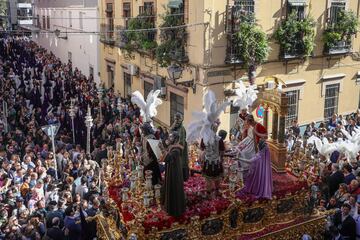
(89, 124)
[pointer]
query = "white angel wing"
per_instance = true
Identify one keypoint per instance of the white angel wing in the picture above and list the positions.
(352, 149)
(152, 102)
(201, 126)
(346, 134)
(312, 139)
(246, 96)
(208, 100)
(138, 99)
(194, 129)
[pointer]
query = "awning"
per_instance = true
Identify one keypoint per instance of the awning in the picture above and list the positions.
(297, 2)
(175, 3)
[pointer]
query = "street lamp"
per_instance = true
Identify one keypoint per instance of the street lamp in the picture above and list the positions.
(72, 112)
(100, 94)
(89, 124)
(174, 72)
(51, 131)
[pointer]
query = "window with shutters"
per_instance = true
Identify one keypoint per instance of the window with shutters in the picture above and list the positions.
(126, 13)
(293, 107)
(176, 105)
(296, 6)
(335, 8)
(44, 22)
(239, 10)
(331, 100)
(47, 22)
(147, 88)
(127, 84)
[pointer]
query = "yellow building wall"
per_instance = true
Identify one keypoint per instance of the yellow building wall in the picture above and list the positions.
(206, 49)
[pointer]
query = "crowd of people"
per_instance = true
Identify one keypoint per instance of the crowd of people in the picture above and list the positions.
(335, 181)
(41, 197)
(45, 198)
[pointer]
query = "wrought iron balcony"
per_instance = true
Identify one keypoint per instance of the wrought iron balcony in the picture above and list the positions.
(342, 47)
(107, 34)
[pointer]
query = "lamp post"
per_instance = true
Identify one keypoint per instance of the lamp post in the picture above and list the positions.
(174, 72)
(100, 93)
(89, 124)
(72, 112)
(51, 131)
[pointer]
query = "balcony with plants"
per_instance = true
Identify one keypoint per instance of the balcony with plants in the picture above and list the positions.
(107, 34)
(248, 45)
(140, 35)
(337, 36)
(173, 38)
(296, 37)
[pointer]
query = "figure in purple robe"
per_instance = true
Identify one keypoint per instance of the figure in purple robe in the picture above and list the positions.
(259, 180)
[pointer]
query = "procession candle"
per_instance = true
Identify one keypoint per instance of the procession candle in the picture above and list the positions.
(157, 188)
(140, 171)
(240, 176)
(125, 194)
(226, 169)
(146, 199)
(232, 183)
(133, 179)
(148, 182)
(233, 168)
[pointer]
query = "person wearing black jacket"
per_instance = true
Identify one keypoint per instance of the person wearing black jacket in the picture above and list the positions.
(345, 223)
(55, 232)
(335, 178)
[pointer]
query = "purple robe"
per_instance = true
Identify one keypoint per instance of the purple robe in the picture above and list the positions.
(259, 179)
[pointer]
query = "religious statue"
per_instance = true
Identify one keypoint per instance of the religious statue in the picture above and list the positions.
(148, 112)
(204, 128)
(173, 189)
(213, 160)
(252, 134)
(238, 128)
(149, 158)
(259, 179)
(178, 127)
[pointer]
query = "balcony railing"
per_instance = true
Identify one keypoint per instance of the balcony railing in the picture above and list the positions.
(107, 34)
(121, 38)
(235, 14)
(342, 47)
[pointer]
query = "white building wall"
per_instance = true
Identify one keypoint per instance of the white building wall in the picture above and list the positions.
(80, 44)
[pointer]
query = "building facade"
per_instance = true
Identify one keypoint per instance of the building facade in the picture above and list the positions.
(15, 13)
(70, 30)
(327, 82)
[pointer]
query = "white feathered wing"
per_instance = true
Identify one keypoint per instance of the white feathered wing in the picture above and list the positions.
(245, 96)
(147, 109)
(201, 126)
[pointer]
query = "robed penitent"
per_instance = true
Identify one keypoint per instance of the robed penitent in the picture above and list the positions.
(174, 195)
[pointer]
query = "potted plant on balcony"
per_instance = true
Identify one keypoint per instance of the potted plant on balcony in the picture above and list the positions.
(139, 41)
(173, 40)
(296, 37)
(253, 45)
(337, 36)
